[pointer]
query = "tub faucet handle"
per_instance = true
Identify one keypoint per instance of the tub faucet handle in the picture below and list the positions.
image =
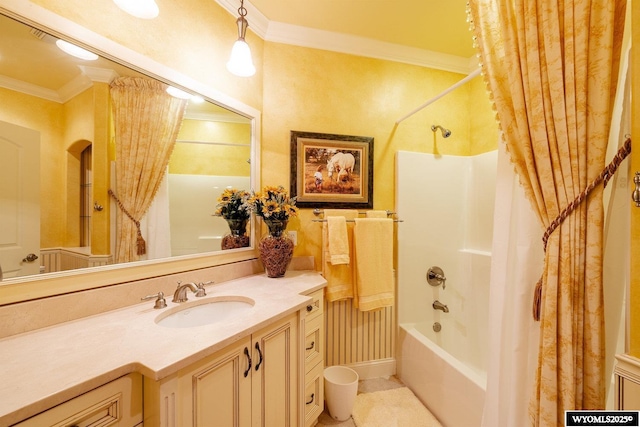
(435, 277)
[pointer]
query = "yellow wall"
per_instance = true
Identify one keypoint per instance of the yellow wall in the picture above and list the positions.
(100, 220)
(482, 119)
(305, 89)
(78, 134)
(634, 303)
(203, 26)
(65, 129)
(205, 159)
(320, 91)
(18, 109)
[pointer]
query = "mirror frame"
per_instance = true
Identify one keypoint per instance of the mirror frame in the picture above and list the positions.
(27, 288)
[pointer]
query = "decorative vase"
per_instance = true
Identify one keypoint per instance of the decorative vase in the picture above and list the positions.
(237, 238)
(276, 249)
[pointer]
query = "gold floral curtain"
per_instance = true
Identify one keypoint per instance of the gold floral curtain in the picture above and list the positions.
(551, 68)
(146, 121)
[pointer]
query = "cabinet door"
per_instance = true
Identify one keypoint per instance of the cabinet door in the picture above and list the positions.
(275, 375)
(217, 390)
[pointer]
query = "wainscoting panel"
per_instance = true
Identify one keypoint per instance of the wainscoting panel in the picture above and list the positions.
(61, 259)
(354, 337)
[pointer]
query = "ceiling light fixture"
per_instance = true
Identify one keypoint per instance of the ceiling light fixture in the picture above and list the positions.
(178, 93)
(145, 9)
(76, 51)
(240, 62)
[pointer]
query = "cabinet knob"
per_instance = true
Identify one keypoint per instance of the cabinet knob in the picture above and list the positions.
(309, 308)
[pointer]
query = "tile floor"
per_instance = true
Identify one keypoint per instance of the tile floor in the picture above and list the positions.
(364, 386)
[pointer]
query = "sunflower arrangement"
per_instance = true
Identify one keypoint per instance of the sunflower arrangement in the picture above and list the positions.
(232, 204)
(273, 203)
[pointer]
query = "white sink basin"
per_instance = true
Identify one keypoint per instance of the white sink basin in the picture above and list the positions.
(206, 312)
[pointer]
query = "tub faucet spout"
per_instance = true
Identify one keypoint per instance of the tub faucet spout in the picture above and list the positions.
(437, 305)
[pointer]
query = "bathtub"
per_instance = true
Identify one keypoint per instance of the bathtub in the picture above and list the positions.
(452, 390)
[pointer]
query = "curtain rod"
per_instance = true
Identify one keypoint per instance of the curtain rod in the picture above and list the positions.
(471, 75)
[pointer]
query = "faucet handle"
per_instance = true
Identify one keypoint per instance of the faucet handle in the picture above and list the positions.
(160, 301)
(201, 292)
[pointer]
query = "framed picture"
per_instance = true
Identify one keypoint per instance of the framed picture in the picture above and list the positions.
(331, 171)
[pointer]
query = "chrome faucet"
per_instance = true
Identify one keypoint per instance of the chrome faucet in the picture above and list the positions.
(437, 305)
(180, 295)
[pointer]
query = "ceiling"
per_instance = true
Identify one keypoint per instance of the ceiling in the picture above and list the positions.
(432, 25)
(432, 33)
(31, 63)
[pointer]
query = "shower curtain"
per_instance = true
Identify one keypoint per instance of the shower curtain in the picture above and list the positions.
(156, 225)
(516, 263)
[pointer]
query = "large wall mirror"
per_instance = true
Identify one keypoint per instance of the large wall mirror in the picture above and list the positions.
(57, 165)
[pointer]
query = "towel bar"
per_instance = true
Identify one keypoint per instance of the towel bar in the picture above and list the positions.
(320, 212)
(349, 220)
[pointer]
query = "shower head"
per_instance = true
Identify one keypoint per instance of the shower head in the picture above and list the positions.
(446, 133)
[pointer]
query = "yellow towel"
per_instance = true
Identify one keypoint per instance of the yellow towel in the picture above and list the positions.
(340, 280)
(377, 214)
(338, 240)
(373, 253)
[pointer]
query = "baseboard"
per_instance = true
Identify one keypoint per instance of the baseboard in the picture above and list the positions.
(375, 368)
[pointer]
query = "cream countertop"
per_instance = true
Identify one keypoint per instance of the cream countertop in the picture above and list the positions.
(45, 367)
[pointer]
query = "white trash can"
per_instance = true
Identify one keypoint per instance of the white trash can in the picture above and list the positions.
(340, 390)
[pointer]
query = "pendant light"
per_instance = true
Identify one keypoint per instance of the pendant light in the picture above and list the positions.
(145, 9)
(240, 62)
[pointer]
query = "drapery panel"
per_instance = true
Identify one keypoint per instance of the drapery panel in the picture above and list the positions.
(146, 123)
(551, 68)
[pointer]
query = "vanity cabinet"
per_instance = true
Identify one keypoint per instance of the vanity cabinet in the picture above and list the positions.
(118, 403)
(253, 382)
(314, 359)
(627, 382)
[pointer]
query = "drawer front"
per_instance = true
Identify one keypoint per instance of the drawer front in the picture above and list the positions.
(313, 343)
(313, 395)
(316, 307)
(118, 403)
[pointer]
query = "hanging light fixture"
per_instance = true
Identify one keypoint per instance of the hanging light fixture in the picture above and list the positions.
(240, 62)
(145, 9)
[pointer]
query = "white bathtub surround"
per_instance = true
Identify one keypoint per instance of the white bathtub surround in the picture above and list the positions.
(196, 230)
(513, 334)
(451, 390)
(446, 203)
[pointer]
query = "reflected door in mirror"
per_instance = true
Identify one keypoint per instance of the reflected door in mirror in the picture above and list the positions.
(20, 200)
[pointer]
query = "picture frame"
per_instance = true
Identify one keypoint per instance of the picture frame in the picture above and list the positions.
(331, 171)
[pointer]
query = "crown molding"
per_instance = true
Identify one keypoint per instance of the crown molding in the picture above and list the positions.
(29, 89)
(76, 86)
(295, 35)
(361, 46)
